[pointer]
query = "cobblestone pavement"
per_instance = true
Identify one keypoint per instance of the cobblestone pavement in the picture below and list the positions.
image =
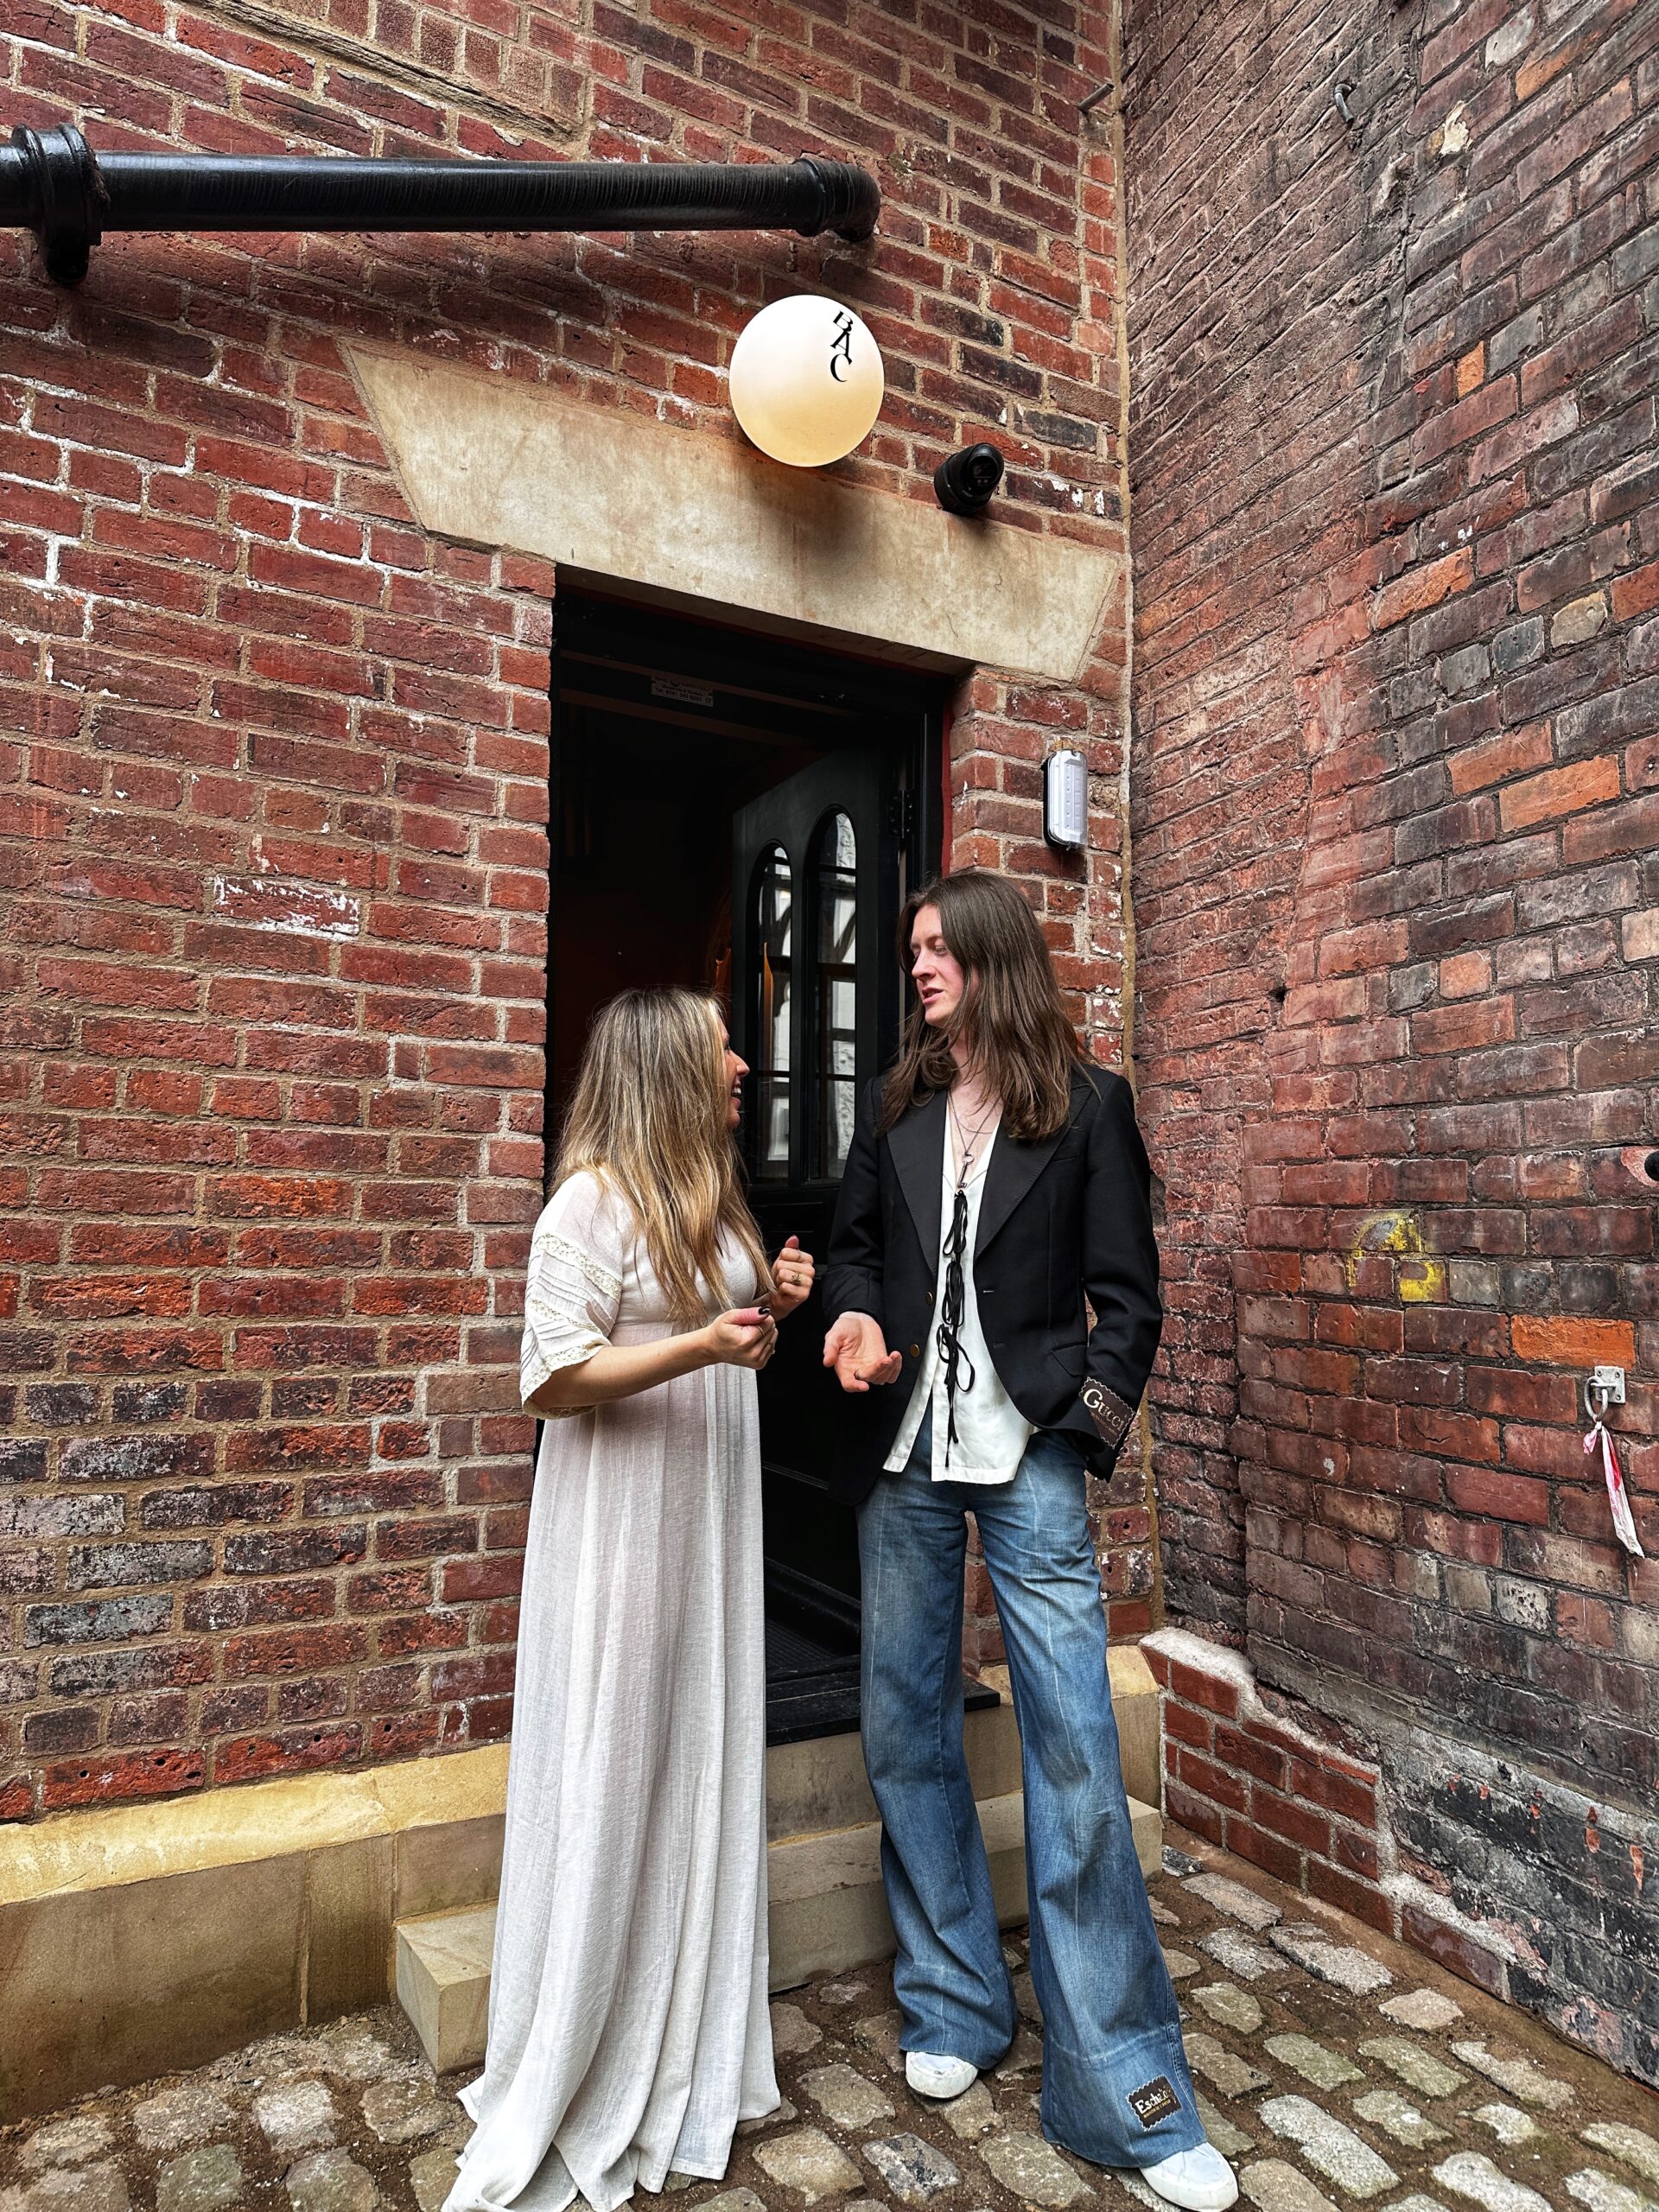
(1335, 2070)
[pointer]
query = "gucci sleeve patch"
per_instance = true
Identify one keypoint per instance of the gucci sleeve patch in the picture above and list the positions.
(1153, 2100)
(1110, 1412)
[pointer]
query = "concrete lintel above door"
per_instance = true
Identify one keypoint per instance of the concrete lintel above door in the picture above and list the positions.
(611, 494)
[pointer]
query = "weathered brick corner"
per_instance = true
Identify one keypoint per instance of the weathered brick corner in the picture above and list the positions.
(1396, 811)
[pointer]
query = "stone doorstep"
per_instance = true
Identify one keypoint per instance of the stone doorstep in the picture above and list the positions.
(820, 1785)
(828, 1912)
(1137, 1708)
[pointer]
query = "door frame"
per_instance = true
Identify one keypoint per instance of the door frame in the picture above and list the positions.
(603, 644)
(699, 651)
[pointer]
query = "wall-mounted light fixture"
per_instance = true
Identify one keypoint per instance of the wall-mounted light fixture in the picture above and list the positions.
(1066, 799)
(964, 480)
(806, 380)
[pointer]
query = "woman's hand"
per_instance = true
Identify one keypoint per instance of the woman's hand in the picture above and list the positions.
(792, 1272)
(744, 1338)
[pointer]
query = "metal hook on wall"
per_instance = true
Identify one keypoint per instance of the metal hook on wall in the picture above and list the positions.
(1607, 1384)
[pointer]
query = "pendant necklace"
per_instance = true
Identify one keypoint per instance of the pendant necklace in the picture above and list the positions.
(968, 1139)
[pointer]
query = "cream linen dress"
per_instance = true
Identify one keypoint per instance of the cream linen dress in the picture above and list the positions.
(628, 2028)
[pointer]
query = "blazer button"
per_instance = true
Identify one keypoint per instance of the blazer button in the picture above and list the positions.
(915, 1351)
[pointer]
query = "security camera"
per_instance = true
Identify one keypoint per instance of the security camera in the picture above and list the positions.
(965, 479)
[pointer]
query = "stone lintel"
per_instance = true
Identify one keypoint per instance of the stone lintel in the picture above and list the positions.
(611, 495)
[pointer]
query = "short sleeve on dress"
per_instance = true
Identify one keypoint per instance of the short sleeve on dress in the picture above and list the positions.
(573, 1286)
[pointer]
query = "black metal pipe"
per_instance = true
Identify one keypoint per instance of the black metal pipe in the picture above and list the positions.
(52, 184)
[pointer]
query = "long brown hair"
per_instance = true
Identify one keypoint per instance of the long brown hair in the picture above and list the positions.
(1010, 1016)
(648, 1118)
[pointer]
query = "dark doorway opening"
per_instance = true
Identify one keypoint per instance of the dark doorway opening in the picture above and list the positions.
(746, 814)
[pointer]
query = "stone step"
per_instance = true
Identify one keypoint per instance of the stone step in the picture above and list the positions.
(444, 1982)
(827, 1913)
(819, 1785)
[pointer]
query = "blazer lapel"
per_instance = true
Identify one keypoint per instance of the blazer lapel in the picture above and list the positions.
(916, 1144)
(1014, 1167)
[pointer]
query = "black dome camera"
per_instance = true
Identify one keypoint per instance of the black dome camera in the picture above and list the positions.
(965, 479)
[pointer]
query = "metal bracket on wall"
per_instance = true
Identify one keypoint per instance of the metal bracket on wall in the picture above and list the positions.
(54, 184)
(1607, 1384)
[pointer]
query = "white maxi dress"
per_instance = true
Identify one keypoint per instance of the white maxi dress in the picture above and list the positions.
(628, 2030)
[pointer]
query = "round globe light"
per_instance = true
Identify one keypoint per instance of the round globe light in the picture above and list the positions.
(806, 380)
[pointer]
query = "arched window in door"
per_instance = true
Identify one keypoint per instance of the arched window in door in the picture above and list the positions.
(774, 933)
(835, 992)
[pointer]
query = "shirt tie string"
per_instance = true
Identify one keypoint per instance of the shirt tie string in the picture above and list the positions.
(958, 1367)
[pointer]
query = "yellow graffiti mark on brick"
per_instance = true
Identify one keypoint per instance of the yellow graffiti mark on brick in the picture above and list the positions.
(1420, 1278)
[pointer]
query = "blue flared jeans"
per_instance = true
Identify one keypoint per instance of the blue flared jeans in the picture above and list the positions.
(1115, 2085)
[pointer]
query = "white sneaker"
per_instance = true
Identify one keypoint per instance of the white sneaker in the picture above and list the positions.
(1199, 2180)
(942, 2078)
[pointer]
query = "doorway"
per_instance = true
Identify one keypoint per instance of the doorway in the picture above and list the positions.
(743, 814)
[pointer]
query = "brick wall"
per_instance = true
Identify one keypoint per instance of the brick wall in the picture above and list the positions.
(1253, 1779)
(272, 782)
(1508, 1876)
(1396, 807)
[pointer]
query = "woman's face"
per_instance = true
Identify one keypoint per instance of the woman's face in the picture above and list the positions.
(735, 1072)
(934, 969)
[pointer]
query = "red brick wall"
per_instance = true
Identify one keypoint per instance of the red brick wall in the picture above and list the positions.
(1252, 1780)
(272, 782)
(1396, 807)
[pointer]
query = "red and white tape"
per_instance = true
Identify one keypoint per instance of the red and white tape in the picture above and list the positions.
(1624, 1522)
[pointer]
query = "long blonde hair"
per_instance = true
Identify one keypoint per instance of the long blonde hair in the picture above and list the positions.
(648, 1118)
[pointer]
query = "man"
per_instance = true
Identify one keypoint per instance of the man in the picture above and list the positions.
(995, 1180)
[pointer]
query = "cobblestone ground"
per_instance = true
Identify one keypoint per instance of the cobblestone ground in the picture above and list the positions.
(1336, 2068)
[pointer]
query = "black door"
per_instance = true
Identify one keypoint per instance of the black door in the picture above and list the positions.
(816, 871)
(703, 777)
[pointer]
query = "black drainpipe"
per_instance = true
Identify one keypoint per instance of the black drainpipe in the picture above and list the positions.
(52, 184)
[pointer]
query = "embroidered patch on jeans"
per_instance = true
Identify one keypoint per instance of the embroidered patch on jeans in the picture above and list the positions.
(1153, 2101)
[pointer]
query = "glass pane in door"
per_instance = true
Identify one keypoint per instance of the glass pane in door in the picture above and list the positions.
(774, 939)
(836, 1021)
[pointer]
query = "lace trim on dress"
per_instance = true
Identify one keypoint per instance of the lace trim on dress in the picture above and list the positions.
(573, 1255)
(537, 1364)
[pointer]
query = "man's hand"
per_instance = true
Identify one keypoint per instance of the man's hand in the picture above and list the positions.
(857, 1350)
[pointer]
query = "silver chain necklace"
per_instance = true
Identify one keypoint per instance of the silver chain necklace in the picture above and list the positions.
(968, 1139)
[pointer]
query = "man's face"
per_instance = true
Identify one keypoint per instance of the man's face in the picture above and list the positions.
(934, 969)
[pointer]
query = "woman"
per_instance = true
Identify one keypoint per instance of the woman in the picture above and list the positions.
(628, 2025)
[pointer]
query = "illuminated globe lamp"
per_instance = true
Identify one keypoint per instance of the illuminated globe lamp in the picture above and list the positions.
(806, 381)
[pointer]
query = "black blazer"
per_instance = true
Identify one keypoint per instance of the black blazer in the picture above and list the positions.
(1058, 1220)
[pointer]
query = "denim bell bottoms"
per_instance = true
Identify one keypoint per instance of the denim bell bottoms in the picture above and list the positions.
(1117, 2089)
